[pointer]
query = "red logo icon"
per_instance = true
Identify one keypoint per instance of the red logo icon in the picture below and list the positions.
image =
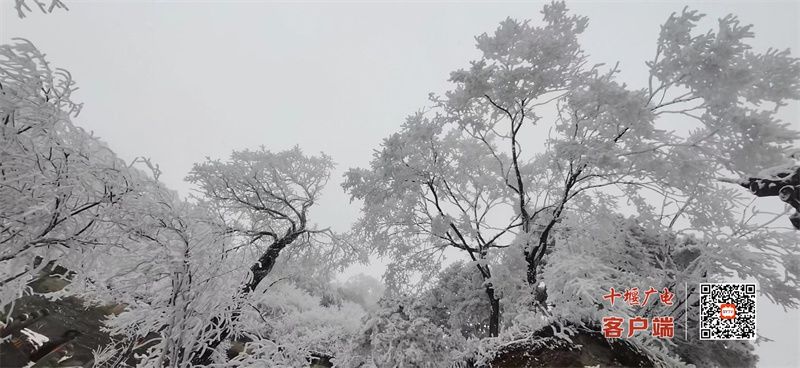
(727, 311)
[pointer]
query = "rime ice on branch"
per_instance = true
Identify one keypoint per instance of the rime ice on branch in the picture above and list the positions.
(780, 181)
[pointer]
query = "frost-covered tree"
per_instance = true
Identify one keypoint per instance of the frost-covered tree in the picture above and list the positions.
(262, 199)
(68, 201)
(604, 134)
(265, 198)
(456, 301)
(289, 326)
(439, 327)
(401, 334)
(184, 271)
(533, 137)
(57, 182)
(187, 287)
(428, 192)
(46, 7)
(171, 272)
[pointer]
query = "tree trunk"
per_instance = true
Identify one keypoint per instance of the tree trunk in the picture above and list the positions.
(531, 272)
(260, 270)
(494, 316)
(263, 267)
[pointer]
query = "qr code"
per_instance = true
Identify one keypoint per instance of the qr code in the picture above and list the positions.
(727, 311)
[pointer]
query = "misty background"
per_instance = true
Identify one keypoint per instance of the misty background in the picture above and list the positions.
(178, 81)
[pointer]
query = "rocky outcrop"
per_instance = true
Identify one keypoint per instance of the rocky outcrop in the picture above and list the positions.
(587, 349)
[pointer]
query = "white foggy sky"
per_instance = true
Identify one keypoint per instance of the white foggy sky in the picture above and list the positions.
(181, 80)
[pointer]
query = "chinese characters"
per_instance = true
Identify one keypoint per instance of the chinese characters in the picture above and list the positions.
(618, 327)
